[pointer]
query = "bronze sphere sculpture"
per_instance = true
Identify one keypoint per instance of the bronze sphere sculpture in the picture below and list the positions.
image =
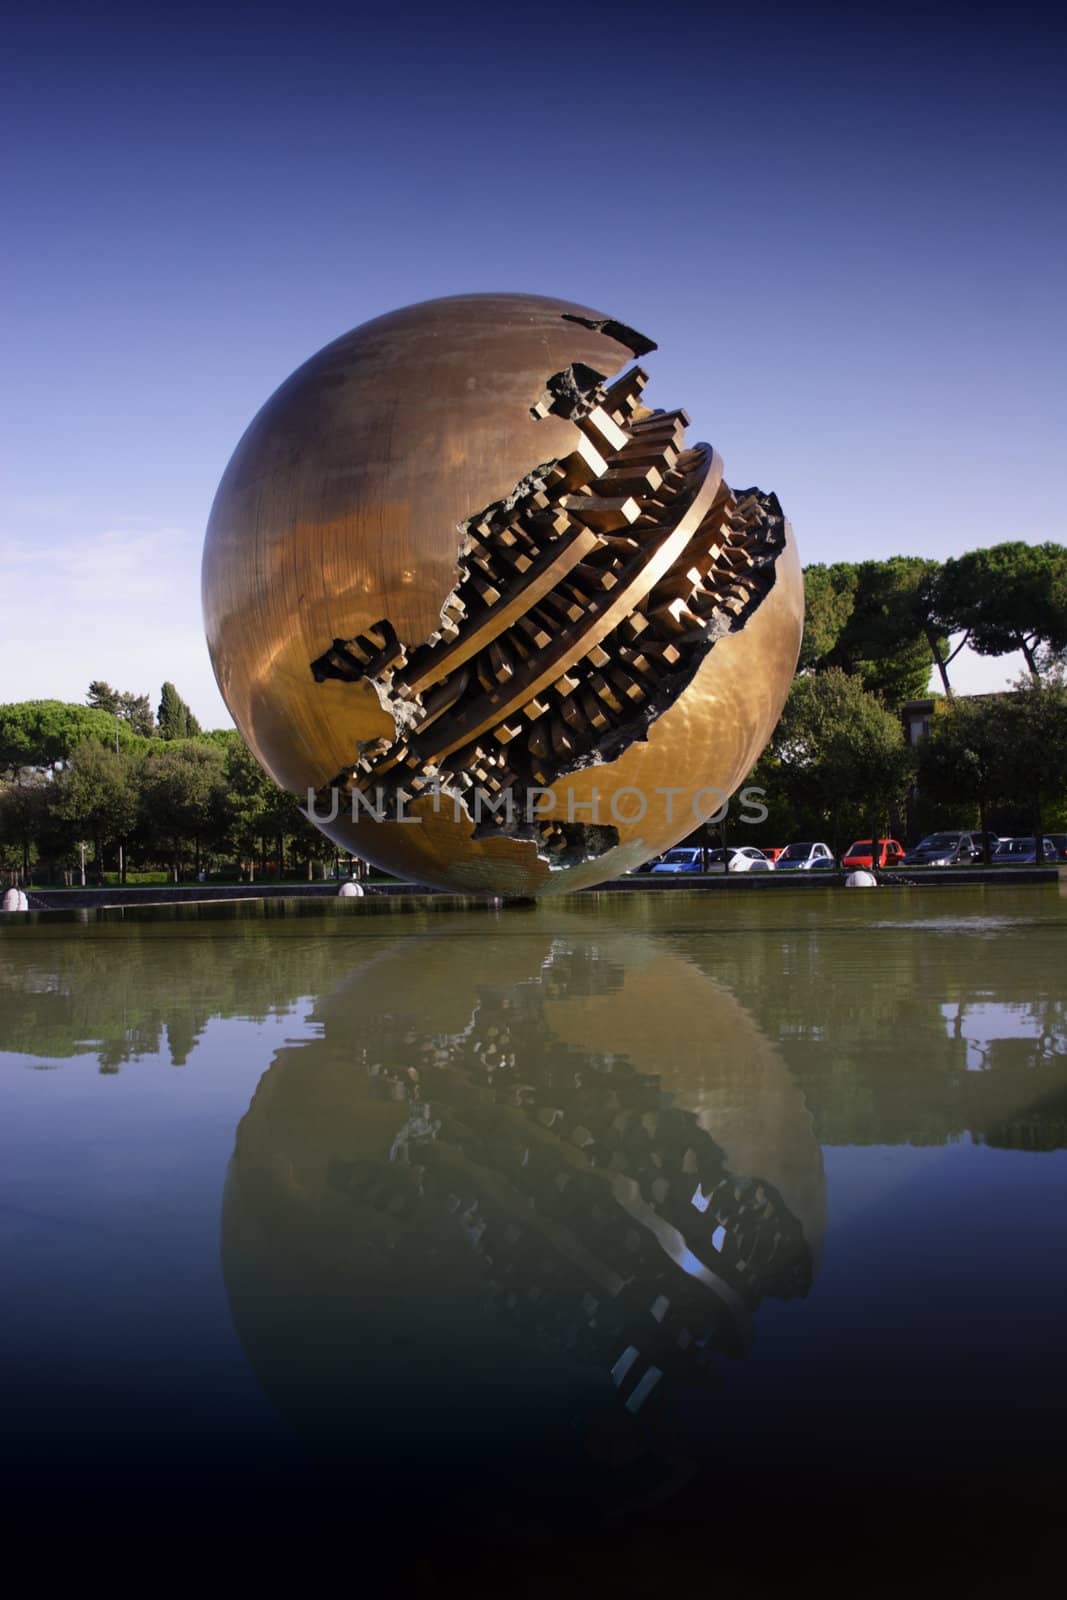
(509, 630)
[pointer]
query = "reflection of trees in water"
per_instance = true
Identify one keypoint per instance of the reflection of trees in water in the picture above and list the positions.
(911, 1034)
(136, 989)
(905, 1034)
(443, 1201)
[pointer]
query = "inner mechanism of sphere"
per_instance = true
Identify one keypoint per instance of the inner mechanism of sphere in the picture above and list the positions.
(584, 604)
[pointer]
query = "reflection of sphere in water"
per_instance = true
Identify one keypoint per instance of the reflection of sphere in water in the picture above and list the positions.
(472, 1239)
(675, 1023)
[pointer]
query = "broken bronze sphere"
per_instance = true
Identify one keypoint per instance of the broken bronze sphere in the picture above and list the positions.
(503, 623)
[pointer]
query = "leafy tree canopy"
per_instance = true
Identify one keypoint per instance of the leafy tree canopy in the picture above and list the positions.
(98, 792)
(965, 752)
(44, 733)
(1012, 596)
(887, 621)
(132, 708)
(184, 790)
(175, 719)
(104, 697)
(829, 597)
(257, 807)
(866, 619)
(1034, 723)
(839, 751)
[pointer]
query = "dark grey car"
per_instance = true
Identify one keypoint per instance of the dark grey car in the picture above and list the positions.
(1023, 852)
(944, 850)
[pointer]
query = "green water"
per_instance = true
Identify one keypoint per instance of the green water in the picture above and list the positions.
(552, 1221)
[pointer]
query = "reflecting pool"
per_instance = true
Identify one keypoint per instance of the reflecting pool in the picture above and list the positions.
(627, 1238)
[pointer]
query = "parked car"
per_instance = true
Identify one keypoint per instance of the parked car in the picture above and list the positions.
(1059, 841)
(773, 851)
(1023, 852)
(944, 850)
(860, 854)
(685, 858)
(805, 856)
(746, 858)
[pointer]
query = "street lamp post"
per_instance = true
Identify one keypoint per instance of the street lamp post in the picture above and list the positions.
(122, 863)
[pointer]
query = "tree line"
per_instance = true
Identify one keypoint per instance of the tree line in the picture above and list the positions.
(118, 785)
(87, 790)
(889, 622)
(840, 765)
(172, 720)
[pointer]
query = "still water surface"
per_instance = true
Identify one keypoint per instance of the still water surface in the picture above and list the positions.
(579, 1240)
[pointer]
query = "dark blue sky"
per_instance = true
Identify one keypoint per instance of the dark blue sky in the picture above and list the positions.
(844, 227)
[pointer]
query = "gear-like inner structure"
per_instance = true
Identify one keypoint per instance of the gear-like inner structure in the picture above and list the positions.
(584, 604)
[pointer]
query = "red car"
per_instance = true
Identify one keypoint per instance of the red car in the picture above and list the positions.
(890, 854)
(773, 851)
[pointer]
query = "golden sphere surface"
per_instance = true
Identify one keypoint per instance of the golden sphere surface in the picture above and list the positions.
(469, 485)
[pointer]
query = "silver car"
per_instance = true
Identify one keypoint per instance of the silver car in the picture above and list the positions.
(806, 856)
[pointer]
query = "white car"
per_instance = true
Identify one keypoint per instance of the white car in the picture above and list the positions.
(806, 857)
(740, 858)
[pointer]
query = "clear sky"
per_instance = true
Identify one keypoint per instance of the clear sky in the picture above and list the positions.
(845, 228)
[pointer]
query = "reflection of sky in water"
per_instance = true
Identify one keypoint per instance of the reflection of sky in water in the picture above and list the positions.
(984, 1025)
